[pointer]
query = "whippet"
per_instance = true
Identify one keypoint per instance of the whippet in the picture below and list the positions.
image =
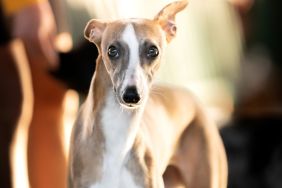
(131, 133)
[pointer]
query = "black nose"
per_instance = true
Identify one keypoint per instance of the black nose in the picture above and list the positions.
(131, 95)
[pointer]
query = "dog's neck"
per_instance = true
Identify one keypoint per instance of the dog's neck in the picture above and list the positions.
(118, 125)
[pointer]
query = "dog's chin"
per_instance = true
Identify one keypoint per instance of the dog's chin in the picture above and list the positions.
(130, 106)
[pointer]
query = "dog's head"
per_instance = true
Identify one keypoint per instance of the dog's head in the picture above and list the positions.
(131, 50)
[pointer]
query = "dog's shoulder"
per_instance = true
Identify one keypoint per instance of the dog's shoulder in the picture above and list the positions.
(175, 101)
(171, 95)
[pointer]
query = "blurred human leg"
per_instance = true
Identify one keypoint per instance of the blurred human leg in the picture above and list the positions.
(46, 160)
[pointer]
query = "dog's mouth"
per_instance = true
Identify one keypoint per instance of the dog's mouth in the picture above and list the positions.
(130, 104)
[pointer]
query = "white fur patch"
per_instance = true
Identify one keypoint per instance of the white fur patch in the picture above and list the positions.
(126, 181)
(130, 38)
(134, 75)
(117, 127)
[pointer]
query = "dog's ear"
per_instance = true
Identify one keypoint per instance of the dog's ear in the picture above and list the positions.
(166, 17)
(94, 30)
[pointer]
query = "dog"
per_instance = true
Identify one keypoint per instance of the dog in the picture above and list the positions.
(131, 133)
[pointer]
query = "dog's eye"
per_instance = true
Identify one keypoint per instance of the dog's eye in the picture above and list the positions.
(152, 52)
(113, 52)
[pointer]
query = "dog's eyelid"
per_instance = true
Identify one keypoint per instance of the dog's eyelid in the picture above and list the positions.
(150, 43)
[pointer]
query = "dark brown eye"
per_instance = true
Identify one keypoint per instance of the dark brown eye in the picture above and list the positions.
(152, 52)
(113, 52)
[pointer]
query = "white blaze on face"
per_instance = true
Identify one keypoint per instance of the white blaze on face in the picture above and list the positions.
(132, 72)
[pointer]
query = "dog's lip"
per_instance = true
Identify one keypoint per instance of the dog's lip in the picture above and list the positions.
(129, 105)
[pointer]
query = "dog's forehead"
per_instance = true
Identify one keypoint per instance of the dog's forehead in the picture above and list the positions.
(143, 29)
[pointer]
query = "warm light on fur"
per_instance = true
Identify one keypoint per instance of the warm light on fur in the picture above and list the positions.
(119, 142)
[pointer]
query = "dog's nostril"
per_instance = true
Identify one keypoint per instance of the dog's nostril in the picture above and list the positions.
(131, 95)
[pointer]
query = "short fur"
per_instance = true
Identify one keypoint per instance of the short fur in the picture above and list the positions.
(164, 139)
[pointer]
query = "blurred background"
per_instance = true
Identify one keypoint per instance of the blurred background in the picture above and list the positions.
(228, 52)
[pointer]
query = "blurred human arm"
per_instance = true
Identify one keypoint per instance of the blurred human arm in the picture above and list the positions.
(33, 22)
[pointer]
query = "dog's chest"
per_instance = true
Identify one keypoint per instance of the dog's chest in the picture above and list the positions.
(118, 178)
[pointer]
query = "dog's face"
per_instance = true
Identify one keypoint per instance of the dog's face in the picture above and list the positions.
(132, 49)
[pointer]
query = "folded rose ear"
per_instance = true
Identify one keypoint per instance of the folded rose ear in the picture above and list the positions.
(166, 17)
(94, 30)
